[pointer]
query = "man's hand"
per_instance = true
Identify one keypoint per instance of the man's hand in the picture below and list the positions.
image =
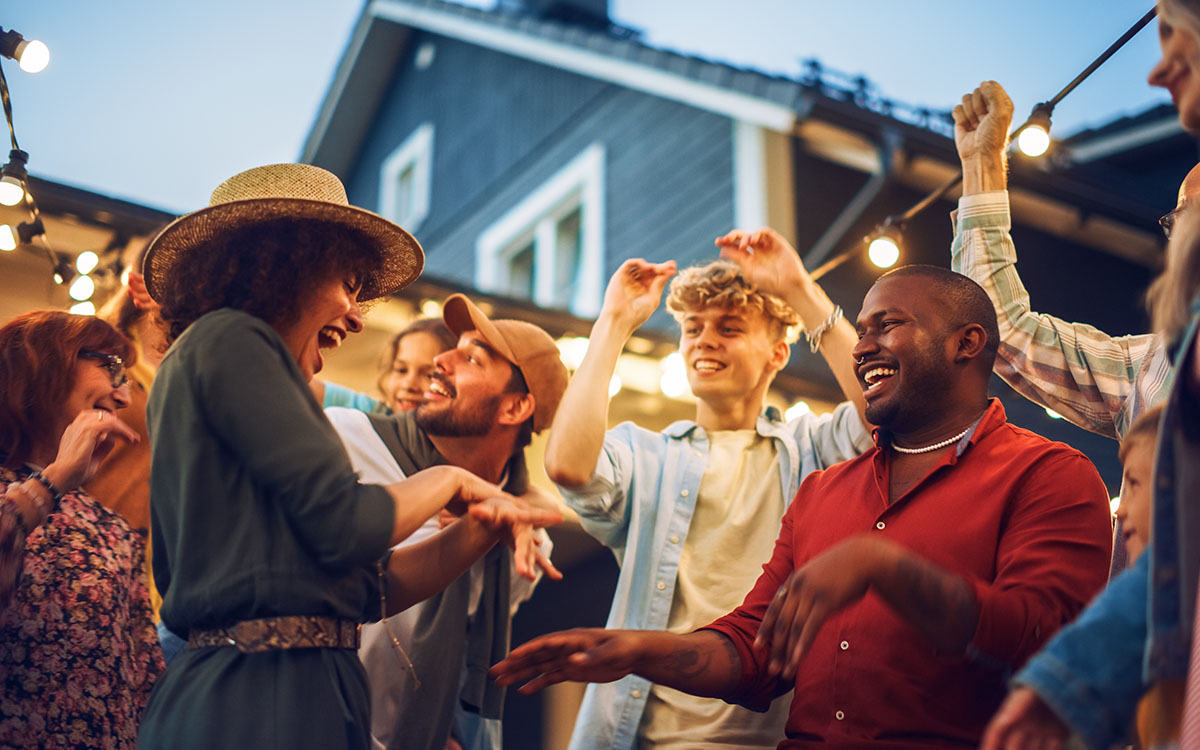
(580, 655)
(516, 523)
(981, 125)
(1025, 721)
(767, 260)
(634, 291)
(829, 582)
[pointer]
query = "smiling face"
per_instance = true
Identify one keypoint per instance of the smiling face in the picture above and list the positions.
(92, 388)
(1134, 510)
(325, 319)
(405, 383)
(729, 352)
(903, 354)
(467, 391)
(1179, 69)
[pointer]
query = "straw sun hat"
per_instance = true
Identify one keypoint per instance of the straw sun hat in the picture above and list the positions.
(284, 191)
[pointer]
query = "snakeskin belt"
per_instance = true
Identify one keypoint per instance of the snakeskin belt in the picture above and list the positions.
(276, 633)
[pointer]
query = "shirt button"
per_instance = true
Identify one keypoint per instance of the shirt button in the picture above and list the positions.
(674, 540)
(660, 585)
(880, 525)
(845, 645)
(683, 493)
(636, 693)
(840, 715)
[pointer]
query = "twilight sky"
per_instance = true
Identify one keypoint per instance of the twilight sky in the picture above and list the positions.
(158, 101)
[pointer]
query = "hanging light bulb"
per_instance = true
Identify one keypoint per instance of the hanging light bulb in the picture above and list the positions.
(614, 385)
(571, 349)
(87, 262)
(83, 308)
(884, 249)
(431, 308)
(63, 272)
(1034, 138)
(673, 382)
(12, 178)
(797, 409)
(33, 56)
(8, 238)
(83, 288)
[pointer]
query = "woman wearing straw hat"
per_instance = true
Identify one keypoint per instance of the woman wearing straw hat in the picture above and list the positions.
(267, 549)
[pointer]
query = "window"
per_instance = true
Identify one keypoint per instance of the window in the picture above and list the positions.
(550, 247)
(406, 179)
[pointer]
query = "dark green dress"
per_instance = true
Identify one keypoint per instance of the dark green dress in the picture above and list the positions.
(255, 512)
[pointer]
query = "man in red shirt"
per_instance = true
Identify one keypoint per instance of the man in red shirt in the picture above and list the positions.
(906, 584)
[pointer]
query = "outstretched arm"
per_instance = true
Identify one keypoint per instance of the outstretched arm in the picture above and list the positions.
(702, 663)
(771, 263)
(418, 571)
(577, 434)
(937, 603)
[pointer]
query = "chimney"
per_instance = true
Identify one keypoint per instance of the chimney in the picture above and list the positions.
(589, 13)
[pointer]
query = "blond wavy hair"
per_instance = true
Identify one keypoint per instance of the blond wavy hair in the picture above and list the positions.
(722, 284)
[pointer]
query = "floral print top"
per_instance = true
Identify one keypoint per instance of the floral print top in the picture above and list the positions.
(78, 648)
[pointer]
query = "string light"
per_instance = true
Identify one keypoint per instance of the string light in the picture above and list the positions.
(83, 308)
(12, 178)
(431, 308)
(63, 272)
(8, 238)
(571, 349)
(798, 409)
(32, 55)
(673, 382)
(884, 249)
(1053, 414)
(1038, 137)
(82, 288)
(1034, 136)
(614, 385)
(87, 262)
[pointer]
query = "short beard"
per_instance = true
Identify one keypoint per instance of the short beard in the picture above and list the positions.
(452, 423)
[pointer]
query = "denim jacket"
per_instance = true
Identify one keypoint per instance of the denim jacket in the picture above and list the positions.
(1138, 631)
(639, 503)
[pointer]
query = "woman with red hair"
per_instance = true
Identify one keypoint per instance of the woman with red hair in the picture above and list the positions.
(78, 649)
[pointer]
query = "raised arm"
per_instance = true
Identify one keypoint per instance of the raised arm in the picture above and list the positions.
(1073, 368)
(771, 263)
(577, 435)
(702, 663)
(418, 571)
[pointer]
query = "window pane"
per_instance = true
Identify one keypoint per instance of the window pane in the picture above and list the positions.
(403, 210)
(520, 272)
(568, 246)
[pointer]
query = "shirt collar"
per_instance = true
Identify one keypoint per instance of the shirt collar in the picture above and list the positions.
(770, 418)
(993, 416)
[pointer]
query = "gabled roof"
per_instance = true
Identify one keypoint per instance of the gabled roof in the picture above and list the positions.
(841, 118)
(615, 54)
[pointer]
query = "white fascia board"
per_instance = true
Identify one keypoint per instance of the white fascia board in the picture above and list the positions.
(1125, 140)
(629, 74)
(333, 97)
(749, 176)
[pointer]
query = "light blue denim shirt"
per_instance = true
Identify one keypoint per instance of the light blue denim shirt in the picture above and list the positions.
(1138, 631)
(639, 503)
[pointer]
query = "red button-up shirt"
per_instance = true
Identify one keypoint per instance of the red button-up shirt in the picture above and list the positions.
(1025, 521)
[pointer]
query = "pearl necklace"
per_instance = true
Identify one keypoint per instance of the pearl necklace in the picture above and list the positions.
(933, 447)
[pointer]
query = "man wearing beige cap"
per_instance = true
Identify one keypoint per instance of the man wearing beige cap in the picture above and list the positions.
(486, 398)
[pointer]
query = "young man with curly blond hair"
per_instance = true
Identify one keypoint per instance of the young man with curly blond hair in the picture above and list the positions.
(692, 512)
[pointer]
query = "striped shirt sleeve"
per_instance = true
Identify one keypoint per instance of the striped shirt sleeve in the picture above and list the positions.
(1094, 380)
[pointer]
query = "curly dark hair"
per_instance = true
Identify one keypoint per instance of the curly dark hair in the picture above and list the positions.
(267, 270)
(38, 352)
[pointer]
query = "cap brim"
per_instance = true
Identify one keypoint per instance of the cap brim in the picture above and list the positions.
(461, 315)
(402, 256)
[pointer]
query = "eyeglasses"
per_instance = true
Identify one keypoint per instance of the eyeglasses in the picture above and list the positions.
(110, 362)
(1167, 222)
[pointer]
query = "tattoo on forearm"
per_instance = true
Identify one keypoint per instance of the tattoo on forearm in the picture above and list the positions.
(939, 604)
(689, 662)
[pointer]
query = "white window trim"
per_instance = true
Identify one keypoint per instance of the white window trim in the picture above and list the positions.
(415, 151)
(580, 182)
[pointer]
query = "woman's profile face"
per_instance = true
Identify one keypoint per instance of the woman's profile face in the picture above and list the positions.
(329, 315)
(1179, 69)
(405, 382)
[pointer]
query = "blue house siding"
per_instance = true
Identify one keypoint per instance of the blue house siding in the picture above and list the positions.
(503, 126)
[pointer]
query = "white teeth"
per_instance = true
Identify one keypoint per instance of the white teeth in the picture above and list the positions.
(436, 387)
(330, 338)
(708, 365)
(875, 375)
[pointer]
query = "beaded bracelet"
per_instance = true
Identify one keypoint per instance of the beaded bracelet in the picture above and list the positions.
(55, 492)
(814, 337)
